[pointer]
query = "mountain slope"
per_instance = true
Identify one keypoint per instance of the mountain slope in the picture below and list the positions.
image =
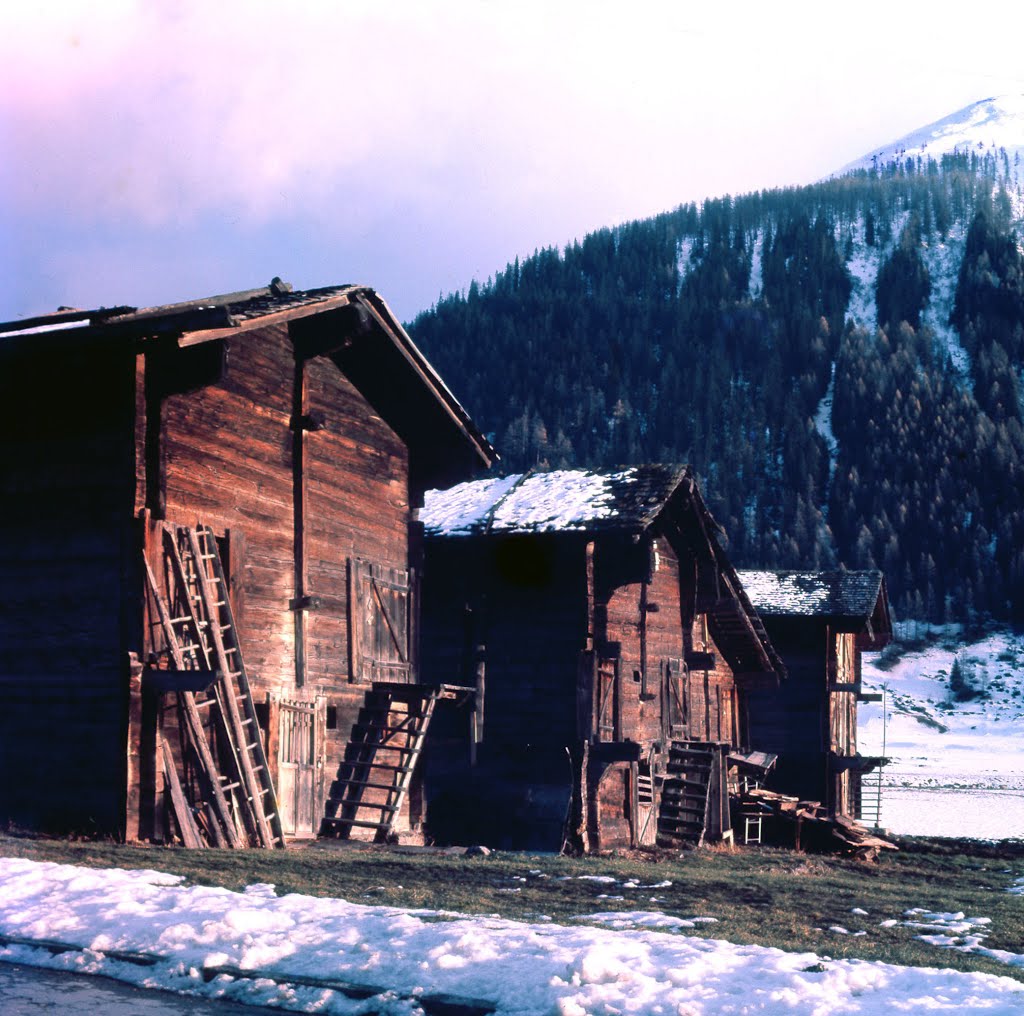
(840, 363)
(991, 126)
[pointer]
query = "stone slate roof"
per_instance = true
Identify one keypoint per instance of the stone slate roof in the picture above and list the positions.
(567, 500)
(838, 594)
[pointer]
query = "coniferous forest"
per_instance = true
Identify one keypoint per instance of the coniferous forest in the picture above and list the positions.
(841, 363)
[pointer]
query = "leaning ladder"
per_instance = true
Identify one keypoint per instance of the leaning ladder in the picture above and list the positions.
(200, 634)
(381, 757)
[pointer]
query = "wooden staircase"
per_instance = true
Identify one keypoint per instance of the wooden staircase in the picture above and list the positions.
(374, 778)
(686, 794)
(220, 786)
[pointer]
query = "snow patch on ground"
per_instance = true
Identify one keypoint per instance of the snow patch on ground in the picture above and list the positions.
(863, 268)
(756, 266)
(823, 423)
(957, 767)
(942, 259)
(522, 969)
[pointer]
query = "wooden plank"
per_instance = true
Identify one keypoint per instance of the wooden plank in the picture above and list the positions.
(190, 835)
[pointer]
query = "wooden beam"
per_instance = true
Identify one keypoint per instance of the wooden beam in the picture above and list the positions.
(300, 495)
(192, 338)
(180, 680)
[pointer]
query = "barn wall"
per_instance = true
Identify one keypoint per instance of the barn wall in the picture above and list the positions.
(645, 616)
(226, 449)
(527, 600)
(67, 572)
(640, 603)
(232, 460)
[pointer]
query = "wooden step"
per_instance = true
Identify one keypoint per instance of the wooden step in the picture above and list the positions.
(362, 783)
(361, 823)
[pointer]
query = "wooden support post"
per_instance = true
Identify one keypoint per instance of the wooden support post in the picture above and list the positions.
(273, 740)
(477, 721)
(591, 592)
(300, 400)
(136, 761)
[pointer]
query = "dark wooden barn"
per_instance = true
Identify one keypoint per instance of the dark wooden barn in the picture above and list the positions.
(820, 622)
(268, 445)
(613, 651)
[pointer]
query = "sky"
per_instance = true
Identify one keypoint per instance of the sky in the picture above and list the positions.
(160, 151)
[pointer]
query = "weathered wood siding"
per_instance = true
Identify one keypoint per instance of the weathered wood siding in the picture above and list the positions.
(659, 696)
(67, 573)
(226, 450)
(844, 671)
(299, 507)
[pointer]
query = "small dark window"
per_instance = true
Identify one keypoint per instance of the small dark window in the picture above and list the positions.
(637, 676)
(262, 714)
(332, 717)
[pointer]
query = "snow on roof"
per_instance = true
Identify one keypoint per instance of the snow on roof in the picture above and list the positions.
(813, 594)
(564, 500)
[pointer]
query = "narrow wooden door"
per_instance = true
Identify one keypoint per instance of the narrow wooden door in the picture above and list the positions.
(606, 700)
(299, 768)
(677, 700)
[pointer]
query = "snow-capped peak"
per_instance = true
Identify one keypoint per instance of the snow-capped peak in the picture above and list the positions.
(985, 126)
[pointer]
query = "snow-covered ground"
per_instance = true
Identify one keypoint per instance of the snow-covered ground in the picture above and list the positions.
(989, 125)
(177, 938)
(958, 767)
(823, 423)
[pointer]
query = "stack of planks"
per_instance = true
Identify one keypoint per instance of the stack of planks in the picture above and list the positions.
(216, 773)
(813, 826)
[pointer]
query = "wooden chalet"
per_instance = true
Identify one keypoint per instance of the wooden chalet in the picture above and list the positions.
(820, 622)
(613, 651)
(210, 563)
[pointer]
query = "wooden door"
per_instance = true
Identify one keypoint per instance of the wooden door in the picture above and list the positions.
(300, 766)
(606, 700)
(380, 623)
(677, 705)
(645, 804)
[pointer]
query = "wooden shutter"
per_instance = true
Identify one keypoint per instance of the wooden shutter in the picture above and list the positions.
(379, 622)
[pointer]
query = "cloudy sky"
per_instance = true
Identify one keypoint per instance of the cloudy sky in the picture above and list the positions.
(159, 151)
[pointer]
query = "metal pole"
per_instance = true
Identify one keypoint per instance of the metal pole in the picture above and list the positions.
(881, 768)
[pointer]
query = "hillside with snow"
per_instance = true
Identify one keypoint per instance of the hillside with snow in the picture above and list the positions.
(842, 364)
(991, 126)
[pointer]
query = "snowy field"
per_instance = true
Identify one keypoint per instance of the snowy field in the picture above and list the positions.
(256, 947)
(958, 767)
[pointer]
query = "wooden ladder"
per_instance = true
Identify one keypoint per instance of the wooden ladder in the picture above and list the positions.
(374, 778)
(236, 797)
(685, 794)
